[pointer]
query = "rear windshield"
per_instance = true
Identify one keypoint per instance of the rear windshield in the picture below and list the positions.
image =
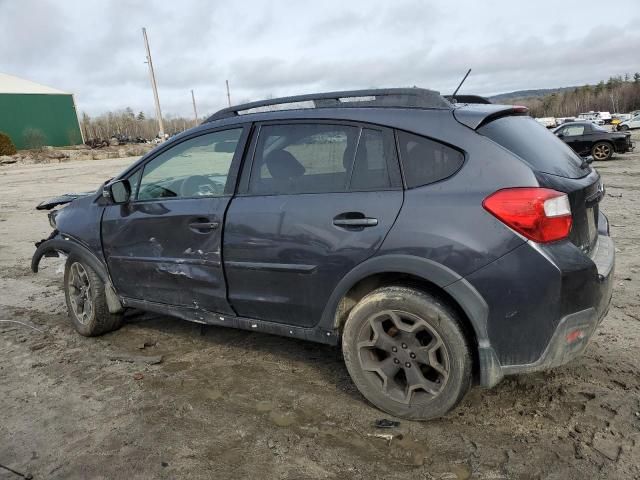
(535, 145)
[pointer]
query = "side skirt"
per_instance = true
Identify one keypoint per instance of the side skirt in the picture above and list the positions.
(313, 334)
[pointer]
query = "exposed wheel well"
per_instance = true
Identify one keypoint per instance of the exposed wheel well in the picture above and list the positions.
(368, 284)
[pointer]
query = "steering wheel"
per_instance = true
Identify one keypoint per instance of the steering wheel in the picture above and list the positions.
(200, 186)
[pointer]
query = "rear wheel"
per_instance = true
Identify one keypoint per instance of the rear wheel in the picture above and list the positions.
(623, 128)
(602, 151)
(406, 353)
(86, 301)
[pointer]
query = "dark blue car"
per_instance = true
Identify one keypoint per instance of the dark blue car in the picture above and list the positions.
(438, 244)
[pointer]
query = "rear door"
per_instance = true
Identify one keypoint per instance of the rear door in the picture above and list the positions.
(315, 200)
(164, 245)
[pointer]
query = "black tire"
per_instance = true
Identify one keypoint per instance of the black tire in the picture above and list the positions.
(602, 151)
(81, 283)
(623, 128)
(434, 322)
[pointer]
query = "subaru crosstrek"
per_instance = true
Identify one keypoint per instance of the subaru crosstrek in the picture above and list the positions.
(439, 244)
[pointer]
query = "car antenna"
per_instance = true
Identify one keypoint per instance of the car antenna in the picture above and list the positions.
(453, 95)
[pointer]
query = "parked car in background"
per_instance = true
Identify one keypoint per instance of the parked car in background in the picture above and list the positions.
(629, 124)
(437, 245)
(618, 118)
(561, 120)
(548, 122)
(586, 138)
(593, 117)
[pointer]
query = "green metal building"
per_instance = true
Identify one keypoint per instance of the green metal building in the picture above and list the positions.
(31, 113)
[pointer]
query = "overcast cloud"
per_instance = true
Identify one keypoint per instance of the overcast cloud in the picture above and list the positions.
(94, 49)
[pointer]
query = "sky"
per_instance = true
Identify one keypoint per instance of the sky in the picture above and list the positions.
(95, 49)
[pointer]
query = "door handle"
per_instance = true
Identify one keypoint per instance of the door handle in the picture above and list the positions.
(354, 220)
(204, 226)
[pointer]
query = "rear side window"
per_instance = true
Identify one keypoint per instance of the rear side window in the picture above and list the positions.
(303, 158)
(425, 161)
(537, 146)
(370, 170)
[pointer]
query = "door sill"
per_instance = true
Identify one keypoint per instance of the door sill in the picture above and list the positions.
(198, 315)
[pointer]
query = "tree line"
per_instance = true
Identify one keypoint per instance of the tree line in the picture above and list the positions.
(125, 123)
(619, 94)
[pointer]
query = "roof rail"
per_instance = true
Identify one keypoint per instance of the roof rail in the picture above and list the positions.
(388, 97)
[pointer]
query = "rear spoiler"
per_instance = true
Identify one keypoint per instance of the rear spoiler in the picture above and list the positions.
(468, 99)
(475, 116)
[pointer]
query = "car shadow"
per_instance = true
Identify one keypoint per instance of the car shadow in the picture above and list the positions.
(325, 359)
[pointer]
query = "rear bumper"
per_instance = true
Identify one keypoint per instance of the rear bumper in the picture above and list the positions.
(580, 295)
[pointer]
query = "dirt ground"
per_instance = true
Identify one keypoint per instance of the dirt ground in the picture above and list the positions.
(235, 404)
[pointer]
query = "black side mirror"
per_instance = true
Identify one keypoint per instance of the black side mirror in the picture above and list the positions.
(117, 192)
(560, 134)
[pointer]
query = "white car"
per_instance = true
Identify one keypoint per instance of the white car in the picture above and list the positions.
(548, 122)
(630, 124)
(594, 117)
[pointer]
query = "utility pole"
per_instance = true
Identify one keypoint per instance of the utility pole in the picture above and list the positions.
(195, 111)
(228, 95)
(152, 76)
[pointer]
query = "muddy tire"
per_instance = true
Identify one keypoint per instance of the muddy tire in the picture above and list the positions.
(602, 151)
(86, 301)
(406, 353)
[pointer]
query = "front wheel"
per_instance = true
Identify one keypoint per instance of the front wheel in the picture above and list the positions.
(602, 151)
(86, 300)
(623, 128)
(406, 353)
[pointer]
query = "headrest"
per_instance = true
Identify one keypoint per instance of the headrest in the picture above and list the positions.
(282, 165)
(347, 157)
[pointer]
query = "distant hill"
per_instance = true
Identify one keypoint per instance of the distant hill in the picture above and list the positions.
(520, 94)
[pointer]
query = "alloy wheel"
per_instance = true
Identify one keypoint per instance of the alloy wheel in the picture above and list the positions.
(404, 354)
(79, 288)
(601, 151)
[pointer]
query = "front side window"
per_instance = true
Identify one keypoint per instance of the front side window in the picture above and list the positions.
(197, 167)
(425, 161)
(303, 158)
(574, 130)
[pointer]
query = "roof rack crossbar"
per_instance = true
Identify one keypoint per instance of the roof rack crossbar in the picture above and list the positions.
(389, 97)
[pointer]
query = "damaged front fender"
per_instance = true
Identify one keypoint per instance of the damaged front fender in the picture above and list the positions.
(60, 243)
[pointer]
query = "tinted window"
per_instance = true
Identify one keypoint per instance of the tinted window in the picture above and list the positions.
(303, 158)
(197, 167)
(425, 161)
(370, 171)
(537, 146)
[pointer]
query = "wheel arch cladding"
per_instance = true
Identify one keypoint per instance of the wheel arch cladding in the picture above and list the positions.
(72, 247)
(423, 274)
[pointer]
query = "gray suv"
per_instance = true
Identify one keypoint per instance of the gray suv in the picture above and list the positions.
(438, 244)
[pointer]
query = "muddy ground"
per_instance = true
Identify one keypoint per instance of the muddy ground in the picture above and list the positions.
(234, 404)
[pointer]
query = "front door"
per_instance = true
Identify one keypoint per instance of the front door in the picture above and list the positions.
(574, 136)
(319, 200)
(164, 245)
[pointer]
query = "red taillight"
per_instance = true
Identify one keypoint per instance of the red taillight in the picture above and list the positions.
(540, 214)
